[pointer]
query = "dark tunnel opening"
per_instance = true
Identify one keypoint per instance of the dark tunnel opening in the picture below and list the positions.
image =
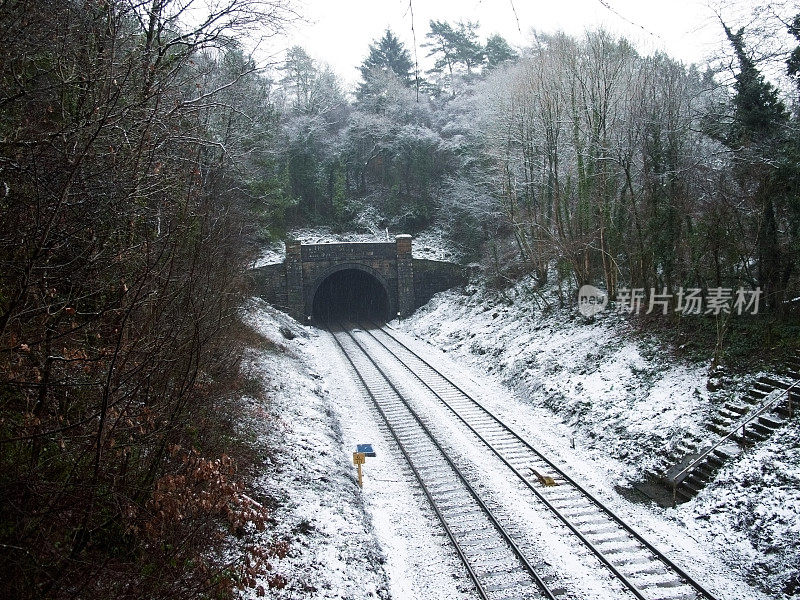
(351, 295)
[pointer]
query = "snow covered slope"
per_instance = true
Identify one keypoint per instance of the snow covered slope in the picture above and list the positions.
(317, 509)
(344, 542)
(627, 402)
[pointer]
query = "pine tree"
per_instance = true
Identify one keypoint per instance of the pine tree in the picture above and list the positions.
(388, 60)
(793, 63)
(791, 165)
(454, 49)
(469, 50)
(388, 54)
(758, 112)
(498, 51)
(298, 75)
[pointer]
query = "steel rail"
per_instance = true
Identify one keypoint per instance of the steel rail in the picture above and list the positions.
(473, 576)
(486, 510)
(660, 556)
(592, 548)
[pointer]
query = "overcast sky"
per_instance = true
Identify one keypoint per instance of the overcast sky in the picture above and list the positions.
(339, 31)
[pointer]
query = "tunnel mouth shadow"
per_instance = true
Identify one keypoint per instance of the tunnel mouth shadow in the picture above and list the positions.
(350, 296)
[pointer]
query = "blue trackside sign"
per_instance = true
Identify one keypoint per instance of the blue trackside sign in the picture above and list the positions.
(366, 449)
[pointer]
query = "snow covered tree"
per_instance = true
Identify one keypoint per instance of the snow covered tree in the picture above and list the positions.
(125, 175)
(388, 60)
(758, 111)
(793, 62)
(309, 87)
(457, 50)
(315, 111)
(755, 137)
(388, 54)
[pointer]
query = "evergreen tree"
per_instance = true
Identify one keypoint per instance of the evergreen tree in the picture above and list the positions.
(469, 50)
(793, 63)
(388, 60)
(456, 49)
(791, 164)
(758, 112)
(388, 54)
(298, 75)
(498, 51)
(758, 141)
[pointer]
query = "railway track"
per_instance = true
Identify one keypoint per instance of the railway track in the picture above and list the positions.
(499, 567)
(643, 571)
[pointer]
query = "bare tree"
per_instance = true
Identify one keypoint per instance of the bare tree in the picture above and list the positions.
(119, 249)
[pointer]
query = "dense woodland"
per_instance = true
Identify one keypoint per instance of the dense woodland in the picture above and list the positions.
(145, 158)
(600, 165)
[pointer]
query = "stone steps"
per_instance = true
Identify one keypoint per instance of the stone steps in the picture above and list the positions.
(726, 422)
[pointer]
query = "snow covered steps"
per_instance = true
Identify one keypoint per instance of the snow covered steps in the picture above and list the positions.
(758, 414)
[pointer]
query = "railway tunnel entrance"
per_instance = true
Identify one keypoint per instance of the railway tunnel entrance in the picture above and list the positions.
(380, 280)
(351, 294)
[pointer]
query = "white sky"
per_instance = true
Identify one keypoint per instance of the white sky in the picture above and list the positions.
(339, 31)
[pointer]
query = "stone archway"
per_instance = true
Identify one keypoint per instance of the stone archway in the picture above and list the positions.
(365, 286)
(408, 282)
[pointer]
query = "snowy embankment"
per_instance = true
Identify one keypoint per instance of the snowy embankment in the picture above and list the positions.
(343, 542)
(622, 397)
(316, 508)
(625, 402)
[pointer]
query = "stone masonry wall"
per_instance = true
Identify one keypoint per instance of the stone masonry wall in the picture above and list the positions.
(433, 276)
(318, 260)
(405, 276)
(269, 283)
(410, 282)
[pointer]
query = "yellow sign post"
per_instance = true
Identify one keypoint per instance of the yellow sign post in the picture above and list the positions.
(359, 458)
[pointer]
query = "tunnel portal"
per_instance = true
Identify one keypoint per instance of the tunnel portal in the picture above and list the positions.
(350, 294)
(380, 279)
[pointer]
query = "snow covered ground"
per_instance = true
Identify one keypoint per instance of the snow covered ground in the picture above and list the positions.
(626, 402)
(381, 542)
(753, 512)
(316, 505)
(385, 542)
